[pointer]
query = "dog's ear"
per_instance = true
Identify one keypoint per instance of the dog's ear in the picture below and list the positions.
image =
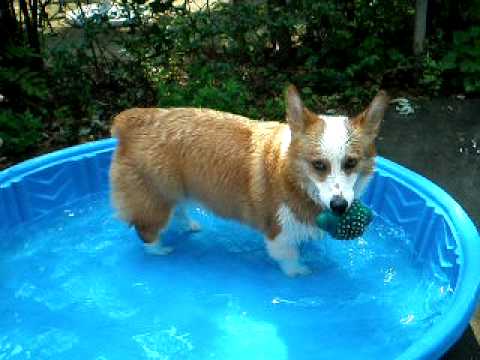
(370, 119)
(298, 116)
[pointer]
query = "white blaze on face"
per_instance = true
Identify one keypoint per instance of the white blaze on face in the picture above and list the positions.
(334, 146)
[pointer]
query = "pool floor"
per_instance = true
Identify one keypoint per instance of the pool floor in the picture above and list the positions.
(78, 285)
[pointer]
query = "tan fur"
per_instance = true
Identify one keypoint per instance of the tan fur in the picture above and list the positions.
(231, 164)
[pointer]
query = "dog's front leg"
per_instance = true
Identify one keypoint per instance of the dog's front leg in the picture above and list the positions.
(284, 249)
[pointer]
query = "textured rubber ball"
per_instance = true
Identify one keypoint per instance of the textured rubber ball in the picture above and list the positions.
(348, 226)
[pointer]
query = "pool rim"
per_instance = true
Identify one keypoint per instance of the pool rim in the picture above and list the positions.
(447, 330)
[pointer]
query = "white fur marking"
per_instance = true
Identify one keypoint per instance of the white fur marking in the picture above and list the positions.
(297, 232)
(335, 138)
(156, 248)
(287, 256)
(334, 146)
(284, 248)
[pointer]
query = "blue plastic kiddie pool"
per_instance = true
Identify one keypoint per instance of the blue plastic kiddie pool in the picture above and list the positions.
(76, 283)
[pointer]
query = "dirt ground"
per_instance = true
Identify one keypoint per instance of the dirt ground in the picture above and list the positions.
(441, 141)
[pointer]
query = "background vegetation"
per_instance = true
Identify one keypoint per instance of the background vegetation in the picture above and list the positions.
(60, 85)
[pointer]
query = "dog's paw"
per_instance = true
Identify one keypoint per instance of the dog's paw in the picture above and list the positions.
(194, 226)
(295, 269)
(157, 249)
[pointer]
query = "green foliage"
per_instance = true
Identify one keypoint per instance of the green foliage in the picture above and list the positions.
(464, 58)
(432, 75)
(19, 131)
(231, 57)
(23, 89)
(93, 82)
(208, 87)
(26, 82)
(21, 84)
(222, 55)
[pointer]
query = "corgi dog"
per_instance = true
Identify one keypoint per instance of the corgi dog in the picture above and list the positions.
(276, 177)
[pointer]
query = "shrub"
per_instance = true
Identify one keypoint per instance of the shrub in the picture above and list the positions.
(208, 87)
(19, 131)
(463, 59)
(235, 56)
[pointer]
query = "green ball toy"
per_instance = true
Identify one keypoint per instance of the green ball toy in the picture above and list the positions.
(348, 226)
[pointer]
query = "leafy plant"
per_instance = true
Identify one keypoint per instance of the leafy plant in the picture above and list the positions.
(432, 75)
(208, 87)
(24, 90)
(18, 131)
(20, 84)
(232, 56)
(464, 58)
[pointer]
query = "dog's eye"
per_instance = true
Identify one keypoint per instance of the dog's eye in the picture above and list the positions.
(350, 163)
(319, 165)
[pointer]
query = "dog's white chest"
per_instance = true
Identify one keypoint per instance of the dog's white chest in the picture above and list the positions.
(293, 229)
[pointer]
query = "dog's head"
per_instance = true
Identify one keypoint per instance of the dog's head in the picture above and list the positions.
(333, 156)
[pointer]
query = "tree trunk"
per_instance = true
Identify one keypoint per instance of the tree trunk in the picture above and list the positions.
(8, 25)
(420, 26)
(30, 20)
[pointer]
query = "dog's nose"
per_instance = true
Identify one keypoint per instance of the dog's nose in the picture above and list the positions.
(338, 204)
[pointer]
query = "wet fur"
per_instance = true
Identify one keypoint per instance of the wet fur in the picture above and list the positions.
(246, 170)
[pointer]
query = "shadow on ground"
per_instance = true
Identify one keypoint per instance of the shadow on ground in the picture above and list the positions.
(441, 141)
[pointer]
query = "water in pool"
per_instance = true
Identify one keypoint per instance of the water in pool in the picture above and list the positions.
(77, 285)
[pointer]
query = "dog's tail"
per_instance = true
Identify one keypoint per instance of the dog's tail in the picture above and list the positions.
(123, 125)
(126, 121)
(118, 125)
